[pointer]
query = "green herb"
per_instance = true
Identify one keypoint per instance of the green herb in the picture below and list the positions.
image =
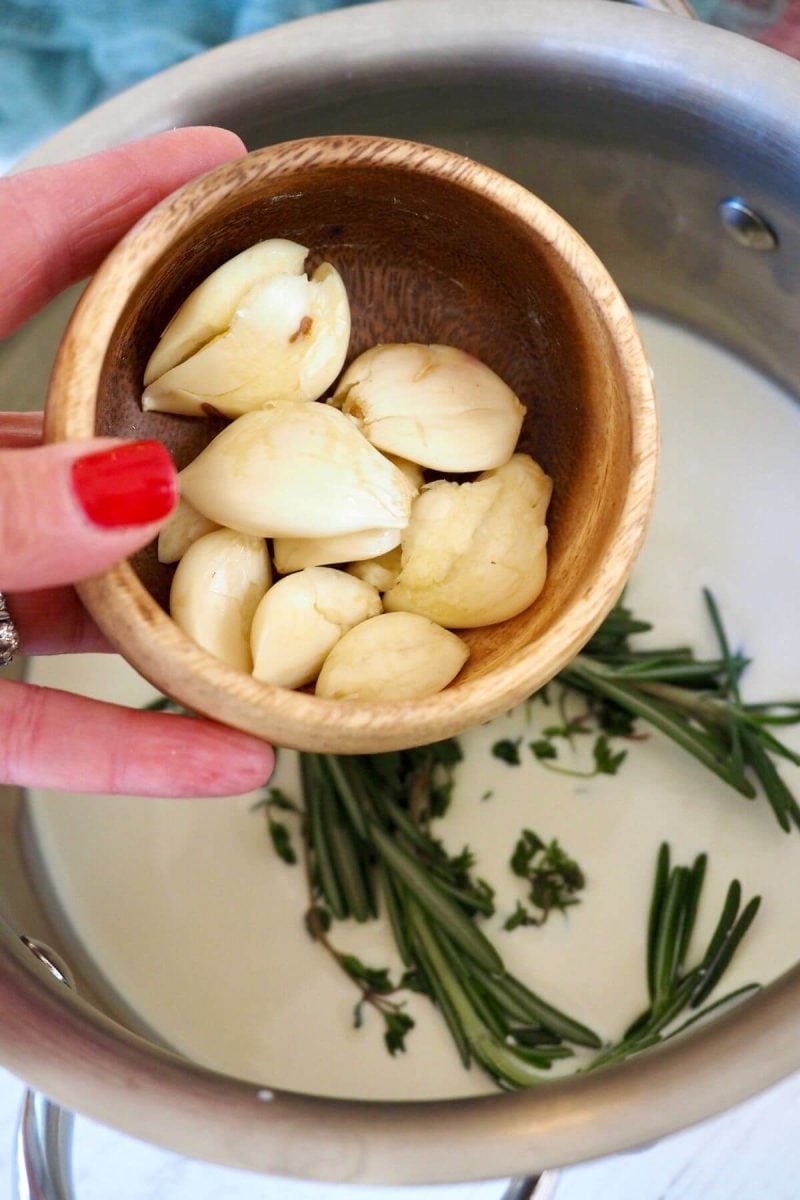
(606, 761)
(487, 795)
(162, 704)
(570, 728)
(553, 876)
(675, 990)
(317, 921)
(282, 842)
(508, 751)
(521, 916)
(398, 1024)
(695, 702)
(379, 807)
(376, 978)
(279, 833)
(277, 798)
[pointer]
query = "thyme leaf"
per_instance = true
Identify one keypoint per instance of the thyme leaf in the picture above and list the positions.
(282, 842)
(507, 750)
(607, 762)
(275, 799)
(398, 1025)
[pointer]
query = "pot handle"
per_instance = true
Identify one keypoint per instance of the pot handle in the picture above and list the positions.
(43, 1153)
(681, 8)
(42, 1166)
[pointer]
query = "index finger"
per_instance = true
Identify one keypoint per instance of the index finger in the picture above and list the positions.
(60, 222)
(50, 738)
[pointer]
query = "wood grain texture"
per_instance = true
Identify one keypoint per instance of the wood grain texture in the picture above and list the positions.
(432, 247)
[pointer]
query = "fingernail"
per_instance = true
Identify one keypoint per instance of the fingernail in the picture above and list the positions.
(132, 483)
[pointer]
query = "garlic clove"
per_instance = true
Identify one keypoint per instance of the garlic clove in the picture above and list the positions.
(296, 470)
(215, 592)
(412, 471)
(382, 566)
(295, 554)
(434, 405)
(210, 308)
(182, 530)
(382, 572)
(301, 619)
(395, 656)
(287, 340)
(476, 553)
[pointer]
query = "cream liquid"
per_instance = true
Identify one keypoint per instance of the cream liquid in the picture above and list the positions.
(192, 919)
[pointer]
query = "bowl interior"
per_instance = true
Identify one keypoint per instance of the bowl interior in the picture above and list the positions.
(425, 257)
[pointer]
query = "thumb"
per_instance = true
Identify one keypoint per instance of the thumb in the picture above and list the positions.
(71, 510)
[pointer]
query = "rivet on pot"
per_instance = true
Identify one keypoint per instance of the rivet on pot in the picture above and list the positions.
(49, 959)
(746, 226)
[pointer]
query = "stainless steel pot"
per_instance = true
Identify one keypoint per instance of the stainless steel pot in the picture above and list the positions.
(675, 149)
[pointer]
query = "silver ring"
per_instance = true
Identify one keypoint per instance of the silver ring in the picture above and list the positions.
(9, 638)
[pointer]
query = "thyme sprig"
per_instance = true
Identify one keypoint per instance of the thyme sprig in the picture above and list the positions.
(696, 702)
(274, 799)
(675, 990)
(554, 879)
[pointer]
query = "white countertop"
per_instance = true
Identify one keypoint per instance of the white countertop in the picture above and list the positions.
(748, 1154)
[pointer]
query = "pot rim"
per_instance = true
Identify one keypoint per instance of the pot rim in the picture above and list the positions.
(88, 1062)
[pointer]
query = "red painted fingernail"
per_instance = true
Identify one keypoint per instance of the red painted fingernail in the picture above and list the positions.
(132, 483)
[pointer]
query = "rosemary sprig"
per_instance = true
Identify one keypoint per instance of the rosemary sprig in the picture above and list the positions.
(695, 702)
(673, 988)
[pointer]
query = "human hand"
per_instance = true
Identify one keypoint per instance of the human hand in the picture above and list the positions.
(70, 511)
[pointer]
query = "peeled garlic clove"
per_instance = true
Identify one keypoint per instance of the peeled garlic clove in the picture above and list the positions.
(294, 554)
(476, 553)
(434, 405)
(412, 471)
(215, 592)
(301, 619)
(296, 470)
(181, 531)
(382, 572)
(396, 656)
(287, 340)
(209, 310)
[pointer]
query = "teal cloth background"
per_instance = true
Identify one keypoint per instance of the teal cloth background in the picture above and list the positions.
(60, 57)
(742, 15)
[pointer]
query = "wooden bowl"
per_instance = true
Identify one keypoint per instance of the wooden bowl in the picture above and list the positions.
(432, 248)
